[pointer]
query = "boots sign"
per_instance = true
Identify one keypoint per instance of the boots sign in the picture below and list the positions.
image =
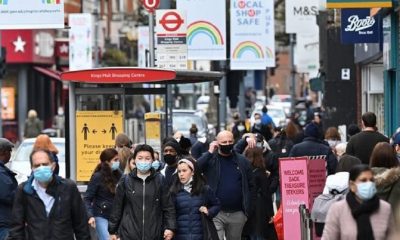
(358, 26)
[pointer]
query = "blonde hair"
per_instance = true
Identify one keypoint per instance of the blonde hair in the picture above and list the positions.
(127, 168)
(32, 113)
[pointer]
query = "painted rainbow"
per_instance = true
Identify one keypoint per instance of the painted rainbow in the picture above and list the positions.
(204, 28)
(248, 46)
(51, 1)
(269, 52)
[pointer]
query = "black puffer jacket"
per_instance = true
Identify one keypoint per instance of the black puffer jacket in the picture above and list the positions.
(142, 209)
(67, 219)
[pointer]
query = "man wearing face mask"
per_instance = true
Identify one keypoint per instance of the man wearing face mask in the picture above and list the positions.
(260, 128)
(47, 206)
(229, 174)
(171, 155)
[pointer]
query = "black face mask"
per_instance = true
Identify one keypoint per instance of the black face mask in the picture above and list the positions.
(170, 159)
(226, 149)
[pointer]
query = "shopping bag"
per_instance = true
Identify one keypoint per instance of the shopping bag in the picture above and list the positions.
(209, 230)
(278, 223)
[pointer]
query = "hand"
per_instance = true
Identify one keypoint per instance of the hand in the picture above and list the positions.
(251, 142)
(113, 237)
(92, 222)
(213, 147)
(168, 234)
(271, 221)
(204, 210)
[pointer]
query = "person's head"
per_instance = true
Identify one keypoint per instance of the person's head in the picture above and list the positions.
(352, 130)
(332, 133)
(109, 157)
(130, 165)
(42, 165)
(43, 141)
(5, 150)
(340, 149)
(124, 154)
(396, 142)
(122, 140)
(369, 120)
(264, 109)
(185, 145)
(32, 114)
(188, 174)
(255, 156)
(144, 157)
(171, 151)
(236, 117)
(317, 118)
(312, 130)
(347, 162)
(156, 156)
(257, 118)
(193, 129)
(225, 143)
(291, 130)
(383, 156)
(168, 139)
(362, 182)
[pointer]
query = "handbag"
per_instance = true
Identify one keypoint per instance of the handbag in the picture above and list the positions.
(209, 230)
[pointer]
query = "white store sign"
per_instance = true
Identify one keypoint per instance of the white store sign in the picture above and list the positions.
(301, 15)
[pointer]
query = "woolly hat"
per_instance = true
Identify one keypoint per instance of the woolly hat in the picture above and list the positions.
(5, 144)
(396, 139)
(174, 145)
(311, 130)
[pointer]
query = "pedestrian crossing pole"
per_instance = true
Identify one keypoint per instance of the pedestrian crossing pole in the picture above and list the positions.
(292, 42)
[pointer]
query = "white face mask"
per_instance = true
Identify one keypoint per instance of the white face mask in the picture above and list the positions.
(257, 121)
(241, 128)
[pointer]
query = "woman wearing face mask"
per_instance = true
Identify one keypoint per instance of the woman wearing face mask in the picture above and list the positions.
(386, 168)
(100, 192)
(192, 198)
(362, 215)
(142, 207)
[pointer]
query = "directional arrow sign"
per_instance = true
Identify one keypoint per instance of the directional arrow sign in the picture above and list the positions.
(94, 131)
(104, 131)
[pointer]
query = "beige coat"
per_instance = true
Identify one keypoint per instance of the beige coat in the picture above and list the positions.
(340, 224)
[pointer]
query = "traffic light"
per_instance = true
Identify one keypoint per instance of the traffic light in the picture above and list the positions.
(3, 62)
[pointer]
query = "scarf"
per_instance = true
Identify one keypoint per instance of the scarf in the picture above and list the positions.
(188, 186)
(361, 213)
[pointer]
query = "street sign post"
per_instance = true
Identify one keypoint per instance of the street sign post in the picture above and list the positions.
(171, 39)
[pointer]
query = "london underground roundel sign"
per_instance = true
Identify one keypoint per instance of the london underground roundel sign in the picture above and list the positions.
(150, 5)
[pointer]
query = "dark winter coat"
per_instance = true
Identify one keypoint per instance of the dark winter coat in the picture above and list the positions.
(258, 222)
(388, 186)
(210, 165)
(188, 216)
(314, 147)
(362, 144)
(67, 218)
(142, 209)
(33, 127)
(8, 188)
(98, 198)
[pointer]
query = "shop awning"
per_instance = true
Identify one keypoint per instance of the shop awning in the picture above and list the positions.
(54, 74)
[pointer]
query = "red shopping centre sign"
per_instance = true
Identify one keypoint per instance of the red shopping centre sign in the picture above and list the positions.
(119, 75)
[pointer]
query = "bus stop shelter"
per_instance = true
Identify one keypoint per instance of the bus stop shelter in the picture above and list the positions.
(100, 101)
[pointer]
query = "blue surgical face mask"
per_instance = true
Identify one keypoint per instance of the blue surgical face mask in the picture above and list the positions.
(366, 190)
(115, 165)
(143, 167)
(43, 174)
(155, 165)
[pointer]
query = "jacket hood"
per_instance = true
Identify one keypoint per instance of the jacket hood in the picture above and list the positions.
(386, 177)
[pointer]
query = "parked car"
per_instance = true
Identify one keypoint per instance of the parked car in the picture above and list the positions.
(284, 101)
(277, 114)
(19, 162)
(182, 121)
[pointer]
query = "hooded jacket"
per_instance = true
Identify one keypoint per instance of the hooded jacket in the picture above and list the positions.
(388, 185)
(67, 219)
(142, 209)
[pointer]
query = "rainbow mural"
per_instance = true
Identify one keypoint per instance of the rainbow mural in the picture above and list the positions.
(51, 1)
(248, 46)
(3, 2)
(204, 28)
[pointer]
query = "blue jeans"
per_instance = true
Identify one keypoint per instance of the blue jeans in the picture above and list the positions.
(3, 233)
(255, 237)
(102, 228)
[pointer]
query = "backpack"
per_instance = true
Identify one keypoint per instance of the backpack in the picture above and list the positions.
(320, 209)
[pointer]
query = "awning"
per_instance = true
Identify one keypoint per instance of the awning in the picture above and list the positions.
(54, 74)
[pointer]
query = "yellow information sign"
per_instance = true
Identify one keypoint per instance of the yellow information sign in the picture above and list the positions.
(95, 131)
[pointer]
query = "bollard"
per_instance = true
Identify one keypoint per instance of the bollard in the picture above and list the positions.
(305, 223)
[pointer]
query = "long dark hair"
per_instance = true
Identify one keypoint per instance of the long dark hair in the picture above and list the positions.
(384, 156)
(255, 156)
(197, 184)
(110, 177)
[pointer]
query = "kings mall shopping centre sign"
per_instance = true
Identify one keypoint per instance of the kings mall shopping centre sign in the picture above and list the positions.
(359, 27)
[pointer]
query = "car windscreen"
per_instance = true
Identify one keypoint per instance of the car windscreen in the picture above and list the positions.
(184, 122)
(276, 113)
(25, 149)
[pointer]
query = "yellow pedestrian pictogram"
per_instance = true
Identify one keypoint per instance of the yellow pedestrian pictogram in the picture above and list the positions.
(95, 131)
